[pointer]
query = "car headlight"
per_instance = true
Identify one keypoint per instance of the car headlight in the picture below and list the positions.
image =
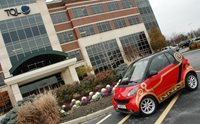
(132, 92)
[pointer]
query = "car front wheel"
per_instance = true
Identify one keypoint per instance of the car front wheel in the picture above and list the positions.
(191, 82)
(148, 106)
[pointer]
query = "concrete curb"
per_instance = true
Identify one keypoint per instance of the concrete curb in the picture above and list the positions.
(90, 116)
(190, 51)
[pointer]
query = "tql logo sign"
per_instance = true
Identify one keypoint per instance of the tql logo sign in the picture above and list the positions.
(15, 12)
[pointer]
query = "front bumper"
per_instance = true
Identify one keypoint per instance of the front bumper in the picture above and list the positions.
(131, 107)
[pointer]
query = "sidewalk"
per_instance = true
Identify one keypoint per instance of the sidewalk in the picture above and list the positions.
(2, 116)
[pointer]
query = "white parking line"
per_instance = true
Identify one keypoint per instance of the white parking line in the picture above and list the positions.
(198, 71)
(103, 119)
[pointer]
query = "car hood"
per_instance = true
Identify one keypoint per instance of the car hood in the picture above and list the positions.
(121, 92)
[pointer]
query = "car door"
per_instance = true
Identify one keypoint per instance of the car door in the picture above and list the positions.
(164, 79)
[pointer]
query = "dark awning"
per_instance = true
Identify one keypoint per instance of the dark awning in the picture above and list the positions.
(55, 56)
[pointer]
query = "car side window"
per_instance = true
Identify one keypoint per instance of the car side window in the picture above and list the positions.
(170, 58)
(159, 63)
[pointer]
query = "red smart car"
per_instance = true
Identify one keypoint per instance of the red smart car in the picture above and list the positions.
(151, 80)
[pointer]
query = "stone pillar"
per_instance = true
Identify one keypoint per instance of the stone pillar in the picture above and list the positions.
(70, 75)
(16, 92)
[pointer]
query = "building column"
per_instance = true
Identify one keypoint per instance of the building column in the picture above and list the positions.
(16, 93)
(69, 75)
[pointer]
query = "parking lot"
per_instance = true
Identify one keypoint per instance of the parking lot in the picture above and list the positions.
(185, 110)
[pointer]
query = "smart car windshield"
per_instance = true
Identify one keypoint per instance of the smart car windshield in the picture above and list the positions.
(134, 73)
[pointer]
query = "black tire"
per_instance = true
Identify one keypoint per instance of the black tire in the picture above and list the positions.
(191, 81)
(142, 105)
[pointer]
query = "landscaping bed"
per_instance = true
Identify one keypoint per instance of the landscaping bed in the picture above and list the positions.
(88, 109)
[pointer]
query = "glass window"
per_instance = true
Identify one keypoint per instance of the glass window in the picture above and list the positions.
(135, 72)
(104, 26)
(79, 12)
(59, 17)
(158, 63)
(75, 54)
(18, 23)
(21, 34)
(14, 36)
(133, 20)
(170, 58)
(35, 31)
(113, 6)
(86, 31)
(28, 32)
(127, 4)
(10, 3)
(119, 23)
(25, 37)
(1, 80)
(97, 9)
(42, 29)
(103, 57)
(66, 36)
(6, 37)
(131, 43)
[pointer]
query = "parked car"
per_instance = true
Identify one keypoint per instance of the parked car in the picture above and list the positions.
(184, 44)
(171, 47)
(151, 80)
(195, 40)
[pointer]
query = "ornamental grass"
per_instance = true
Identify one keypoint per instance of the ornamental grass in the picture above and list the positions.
(43, 110)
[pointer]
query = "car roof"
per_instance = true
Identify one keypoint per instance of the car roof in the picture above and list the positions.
(170, 51)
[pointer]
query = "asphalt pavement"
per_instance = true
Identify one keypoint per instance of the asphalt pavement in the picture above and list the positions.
(185, 111)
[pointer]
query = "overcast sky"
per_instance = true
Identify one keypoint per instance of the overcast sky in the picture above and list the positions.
(176, 16)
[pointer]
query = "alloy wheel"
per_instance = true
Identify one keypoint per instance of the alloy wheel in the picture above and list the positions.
(148, 106)
(192, 81)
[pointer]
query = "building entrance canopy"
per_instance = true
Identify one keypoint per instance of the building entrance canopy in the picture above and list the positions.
(37, 60)
(40, 73)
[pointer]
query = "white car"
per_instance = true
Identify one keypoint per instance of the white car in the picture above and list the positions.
(170, 47)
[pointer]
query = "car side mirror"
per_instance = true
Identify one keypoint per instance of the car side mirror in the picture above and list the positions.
(152, 73)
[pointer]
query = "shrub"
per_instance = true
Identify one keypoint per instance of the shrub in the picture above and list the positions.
(90, 83)
(120, 70)
(198, 45)
(43, 110)
(11, 116)
(105, 78)
(193, 46)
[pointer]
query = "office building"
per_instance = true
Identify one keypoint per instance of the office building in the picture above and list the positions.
(42, 44)
(147, 14)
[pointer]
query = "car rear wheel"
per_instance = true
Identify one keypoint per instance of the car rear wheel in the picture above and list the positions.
(148, 106)
(191, 82)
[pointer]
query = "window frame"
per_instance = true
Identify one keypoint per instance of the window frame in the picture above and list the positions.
(76, 12)
(111, 7)
(104, 26)
(97, 8)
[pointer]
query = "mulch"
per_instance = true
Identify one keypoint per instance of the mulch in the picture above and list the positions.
(88, 109)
